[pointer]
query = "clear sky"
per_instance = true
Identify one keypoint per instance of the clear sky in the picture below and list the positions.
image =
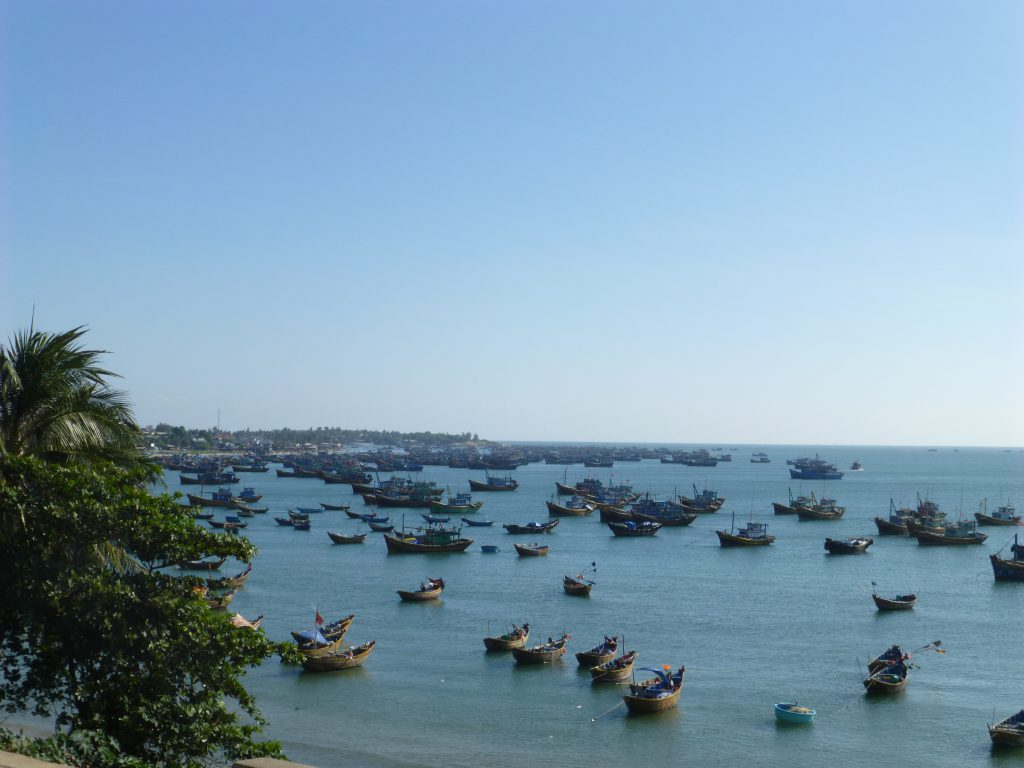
(744, 221)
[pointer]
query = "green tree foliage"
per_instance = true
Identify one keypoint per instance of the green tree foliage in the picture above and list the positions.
(131, 653)
(55, 401)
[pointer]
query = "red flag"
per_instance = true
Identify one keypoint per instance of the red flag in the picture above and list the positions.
(319, 619)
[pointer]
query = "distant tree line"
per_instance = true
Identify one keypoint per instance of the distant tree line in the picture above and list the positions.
(166, 436)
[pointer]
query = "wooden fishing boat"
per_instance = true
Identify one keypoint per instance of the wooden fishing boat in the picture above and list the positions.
(888, 680)
(435, 519)
(574, 507)
(431, 540)
(284, 520)
(1005, 515)
(309, 510)
(202, 565)
(826, 509)
(431, 589)
(354, 656)
(227, 525)
(565, 490)
(891, 655)
(385, 527)
(531, 527)
(237, 580)
(507, 483)
(335, 507)
(959, 533)
(219, 602)
(550, 651)
(353, 515)
(477, 523)
(599, 654)
(239, 621)
(1012, 568)
(324, 633)
(669, 519)
(457, 504)
(515, 638)
(851, 546)
(1008, 732)
(300, 525)
(657, 693)
(754, 534)
(218, 498)
(635, 528)
(341, 538)
(706, 500)
(898, 603)
(794, 713)
(896, 523)
(531, 550)
(614, 670)
(794, 502)
(578, 585)
(610, 514)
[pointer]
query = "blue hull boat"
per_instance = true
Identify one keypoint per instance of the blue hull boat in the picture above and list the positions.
(794, 713)
(480, 523)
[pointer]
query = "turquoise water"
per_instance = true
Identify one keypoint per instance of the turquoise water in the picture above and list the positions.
(753, 627)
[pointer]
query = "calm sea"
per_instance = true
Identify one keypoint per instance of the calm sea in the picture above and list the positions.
(753, 627)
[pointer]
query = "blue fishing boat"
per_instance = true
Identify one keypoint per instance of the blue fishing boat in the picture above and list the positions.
(794, 713)
(814, 469)
(310, 510)
(1011, 568)
(489, 548)
(480, 523)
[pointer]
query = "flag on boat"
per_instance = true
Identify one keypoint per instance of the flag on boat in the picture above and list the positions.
(319, 619)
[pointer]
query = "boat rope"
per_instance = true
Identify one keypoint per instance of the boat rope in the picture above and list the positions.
(607, 711)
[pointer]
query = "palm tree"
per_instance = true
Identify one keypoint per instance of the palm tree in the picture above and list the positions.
(55, 402)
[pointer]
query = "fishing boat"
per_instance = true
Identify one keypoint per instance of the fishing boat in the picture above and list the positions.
(341, 538)
(1012, 568)
(896, 523)
(201, 565)
(237, 580)
(856, 467)
(385, 527)
(477, 523)
(490, 548)
(851, 546)
(239, 621)
(754, 534)
(826, 509)
(514, 638)
(353, 656)
(492, 483)
(794, 502)
(671, 518)
(550, 651)
(898, 603)
(222, 497)
(1008, 732)
(891, 655)
(334, 507)
(457, 504)
(706, 500)
(219, 602)
(579, 585)
(657, 693)
(634, 528)
(300, 525)
(614, 670)
(531, 527)
(284, 520)
(309, 510)
(599, 654)
(532, 550)
(953, 534)
(227, 525)
(429, 540)
(574, 507)
(814, 469)
(1006, 514)
(794, 713)
(353, 515)
(323, 634)
(888, 680)
(431, 589)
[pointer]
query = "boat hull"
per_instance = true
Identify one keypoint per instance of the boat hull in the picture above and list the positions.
(420, 595)
(924, 536)
(525, 551)
(1007, 570)
(889, 528)
(557, 510)
(643, 705)
(397, 545)
(340, 660)
(505, 643)
(981, 518)
(727, 539)
(885, 604)
(793, 713)
(847, 547)
(476, 485)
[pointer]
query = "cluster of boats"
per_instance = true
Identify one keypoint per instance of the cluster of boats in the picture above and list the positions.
(606, 663)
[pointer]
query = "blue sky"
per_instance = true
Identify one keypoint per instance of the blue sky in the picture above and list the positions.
(662, 221)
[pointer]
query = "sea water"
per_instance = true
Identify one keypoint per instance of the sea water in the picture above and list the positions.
(752, 626)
